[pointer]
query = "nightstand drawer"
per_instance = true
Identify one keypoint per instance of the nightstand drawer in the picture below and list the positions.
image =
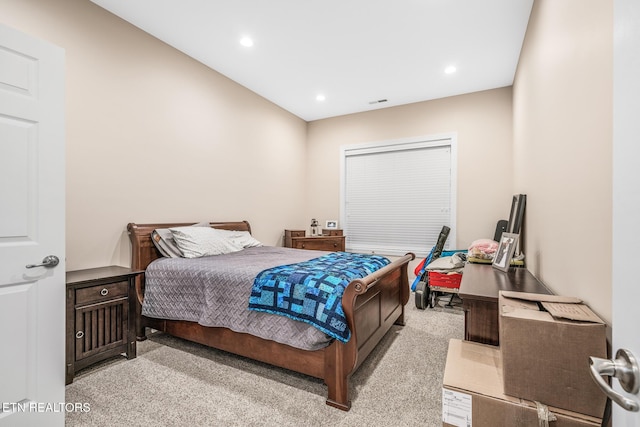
(102, 293)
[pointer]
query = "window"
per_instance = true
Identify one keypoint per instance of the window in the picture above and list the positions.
(397, 195)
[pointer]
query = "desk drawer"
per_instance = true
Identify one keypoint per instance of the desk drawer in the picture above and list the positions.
(99, 293)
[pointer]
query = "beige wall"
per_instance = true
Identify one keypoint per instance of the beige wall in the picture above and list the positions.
(563, 94)
(482, 122)
(199, 147)
(155, 136)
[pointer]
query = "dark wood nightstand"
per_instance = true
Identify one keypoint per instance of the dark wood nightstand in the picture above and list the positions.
(333, 242)
(100, 316)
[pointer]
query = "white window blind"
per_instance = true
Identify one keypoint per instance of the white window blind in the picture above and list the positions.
(397, 196)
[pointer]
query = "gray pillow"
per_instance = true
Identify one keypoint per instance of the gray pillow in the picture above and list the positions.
(166, 245)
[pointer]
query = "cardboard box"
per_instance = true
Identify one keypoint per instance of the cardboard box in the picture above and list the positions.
(545, 353)
(473, 393)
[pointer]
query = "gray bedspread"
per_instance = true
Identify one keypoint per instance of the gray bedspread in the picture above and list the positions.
(215, 290)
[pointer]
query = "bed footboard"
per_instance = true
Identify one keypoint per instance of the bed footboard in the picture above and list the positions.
(371, 306)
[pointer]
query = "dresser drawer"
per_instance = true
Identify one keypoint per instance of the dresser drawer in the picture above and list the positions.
(289, 235)
(101, 292)
(320, 243)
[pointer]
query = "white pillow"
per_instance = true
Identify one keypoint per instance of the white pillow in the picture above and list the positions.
(163, 239)
(242, 238)
(195, 242)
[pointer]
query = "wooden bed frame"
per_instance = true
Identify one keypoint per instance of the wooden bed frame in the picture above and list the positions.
(371, 305)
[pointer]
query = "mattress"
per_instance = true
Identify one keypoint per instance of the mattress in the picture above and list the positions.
(214, 291)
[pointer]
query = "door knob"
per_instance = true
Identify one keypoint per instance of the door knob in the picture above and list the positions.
(625, 369)
(49, 261)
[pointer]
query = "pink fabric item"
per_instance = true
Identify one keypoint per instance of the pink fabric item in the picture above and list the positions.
(483, 249)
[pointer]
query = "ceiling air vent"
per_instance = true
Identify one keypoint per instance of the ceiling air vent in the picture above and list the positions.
(379, 101)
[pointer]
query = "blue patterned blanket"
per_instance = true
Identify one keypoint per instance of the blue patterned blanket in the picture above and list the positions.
(311, 291)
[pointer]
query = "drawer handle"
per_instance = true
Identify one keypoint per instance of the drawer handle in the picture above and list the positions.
(79, 334)
(303, 246)
(104, 291)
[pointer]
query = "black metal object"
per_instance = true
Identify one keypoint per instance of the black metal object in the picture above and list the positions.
(422, 294)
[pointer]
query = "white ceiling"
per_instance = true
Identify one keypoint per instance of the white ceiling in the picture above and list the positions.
(353, 51)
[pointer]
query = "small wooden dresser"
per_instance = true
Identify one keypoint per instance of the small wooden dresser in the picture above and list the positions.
(331, 240)
(100, 316)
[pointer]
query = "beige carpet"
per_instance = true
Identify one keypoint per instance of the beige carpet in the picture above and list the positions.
(178, 383)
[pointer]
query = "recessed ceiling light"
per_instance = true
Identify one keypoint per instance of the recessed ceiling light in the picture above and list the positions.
(450, 69)
(320, 97)
(246, 42)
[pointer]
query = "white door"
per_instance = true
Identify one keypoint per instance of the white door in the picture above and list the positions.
(626, 192)
(32, 300)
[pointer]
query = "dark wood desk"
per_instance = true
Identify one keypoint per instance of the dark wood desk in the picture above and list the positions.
(479, 293)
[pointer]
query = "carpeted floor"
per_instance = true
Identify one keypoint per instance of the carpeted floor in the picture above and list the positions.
(178, 383)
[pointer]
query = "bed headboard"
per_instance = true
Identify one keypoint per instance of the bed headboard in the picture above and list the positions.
(143, 251)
